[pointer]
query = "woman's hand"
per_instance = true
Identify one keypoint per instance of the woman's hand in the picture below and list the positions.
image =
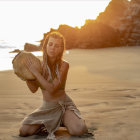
(32, 85)
(30, 65)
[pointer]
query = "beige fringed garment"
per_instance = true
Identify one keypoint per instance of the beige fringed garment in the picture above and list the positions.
(50, 114)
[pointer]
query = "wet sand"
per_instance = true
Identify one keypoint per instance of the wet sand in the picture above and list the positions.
(103, 83)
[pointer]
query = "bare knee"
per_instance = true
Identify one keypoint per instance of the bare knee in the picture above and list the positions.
(26, 131)
(23, 132)
(78, 130)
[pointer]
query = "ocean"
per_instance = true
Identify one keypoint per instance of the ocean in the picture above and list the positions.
(6, 57)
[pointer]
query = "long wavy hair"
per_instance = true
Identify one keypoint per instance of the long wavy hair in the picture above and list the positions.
(55, 35)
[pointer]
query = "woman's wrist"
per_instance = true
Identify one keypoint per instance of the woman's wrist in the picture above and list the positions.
(36, 74)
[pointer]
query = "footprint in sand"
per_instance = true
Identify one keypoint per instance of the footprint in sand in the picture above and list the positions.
(110, 110)
(94, 104)
(80, 89)
(119, 124)
(122, 90)
(130, 96)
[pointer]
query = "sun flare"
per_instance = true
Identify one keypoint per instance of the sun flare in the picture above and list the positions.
(27, 21)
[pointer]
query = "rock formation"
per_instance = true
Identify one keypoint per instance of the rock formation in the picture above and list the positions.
(31, 47)
(117, 25)
(113, 13)
(71, 35)
(15, 51)
(91, 35)
(124, 16)
(98, 35)
(130, 27)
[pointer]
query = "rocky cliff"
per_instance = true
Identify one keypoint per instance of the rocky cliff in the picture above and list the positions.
(118, 25)
(124, 16)
(113, 13)
(130, 24)
(91, 35)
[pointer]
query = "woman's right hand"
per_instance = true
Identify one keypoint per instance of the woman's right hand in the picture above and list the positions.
(30, 65)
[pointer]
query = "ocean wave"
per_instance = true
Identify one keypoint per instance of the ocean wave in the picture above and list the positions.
(6, 57)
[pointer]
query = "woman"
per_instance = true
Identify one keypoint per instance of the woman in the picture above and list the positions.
(57, 108)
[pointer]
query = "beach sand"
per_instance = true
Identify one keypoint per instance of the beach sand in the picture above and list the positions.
(103, 83)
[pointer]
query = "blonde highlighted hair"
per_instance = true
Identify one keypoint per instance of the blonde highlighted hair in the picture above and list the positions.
(45, 66)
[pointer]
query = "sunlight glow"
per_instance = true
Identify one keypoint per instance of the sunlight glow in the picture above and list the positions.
(27, 20)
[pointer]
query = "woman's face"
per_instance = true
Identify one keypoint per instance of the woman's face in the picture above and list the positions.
(54, 47)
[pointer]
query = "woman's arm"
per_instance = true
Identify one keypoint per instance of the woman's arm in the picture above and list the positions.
(58, 83)
(44, 84)
(32, 85)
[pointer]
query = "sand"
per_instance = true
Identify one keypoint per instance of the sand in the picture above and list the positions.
(103, 83)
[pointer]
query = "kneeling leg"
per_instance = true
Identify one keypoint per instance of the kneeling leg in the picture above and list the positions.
(75, 125)
(27, 130)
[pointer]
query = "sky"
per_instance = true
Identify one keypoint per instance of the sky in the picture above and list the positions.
(26, 21)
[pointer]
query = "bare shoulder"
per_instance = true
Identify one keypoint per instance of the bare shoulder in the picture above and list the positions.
(64, 67)
(65, 64)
